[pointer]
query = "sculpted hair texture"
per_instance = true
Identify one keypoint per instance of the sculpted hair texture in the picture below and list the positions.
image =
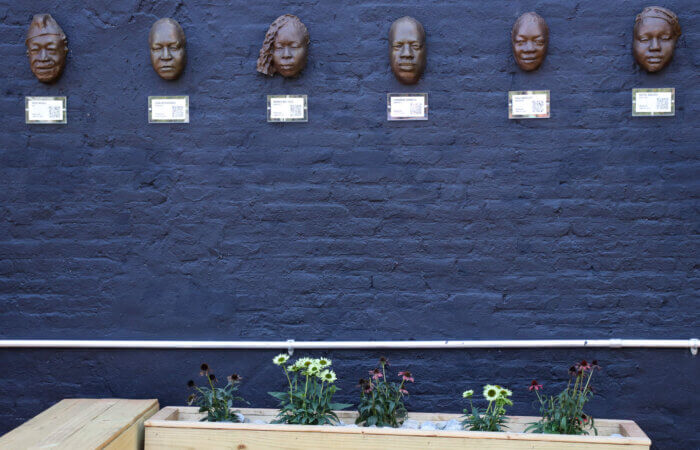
(660, 13)
(265, 59)
(529, 16)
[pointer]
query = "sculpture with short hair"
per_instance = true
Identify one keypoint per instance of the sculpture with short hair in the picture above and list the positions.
(407, 51)
(168, 51)
(529, 43)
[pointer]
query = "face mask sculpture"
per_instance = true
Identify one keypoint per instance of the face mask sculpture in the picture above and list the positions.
(407, 50)
(529, 38)
(167, 43)
(47, 47)
(285, 47)
(656, 31)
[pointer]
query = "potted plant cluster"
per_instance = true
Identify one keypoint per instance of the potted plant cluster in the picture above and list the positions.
(307, 417)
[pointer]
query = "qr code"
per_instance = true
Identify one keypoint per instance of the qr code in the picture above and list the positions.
(538, 106)
(296, 110)
(178, 111)
(54, 112)
(663, 104)
(416, 109)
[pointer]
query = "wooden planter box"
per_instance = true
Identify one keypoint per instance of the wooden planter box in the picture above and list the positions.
(179, 428)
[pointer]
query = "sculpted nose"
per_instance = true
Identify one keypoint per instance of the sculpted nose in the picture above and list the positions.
(287, 53)
(43, 54)
(654, 45)
(406, 52)
(166, 53)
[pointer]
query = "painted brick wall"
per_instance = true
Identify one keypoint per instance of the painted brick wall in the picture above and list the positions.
(467, 226)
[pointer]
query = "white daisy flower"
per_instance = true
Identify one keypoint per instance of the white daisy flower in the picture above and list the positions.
(280, 359)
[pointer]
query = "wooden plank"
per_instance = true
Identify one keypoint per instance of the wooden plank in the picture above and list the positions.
(79, 423)
(53, 426)
(133, 437)
(109, 424)
(200, 438)
(160, 429)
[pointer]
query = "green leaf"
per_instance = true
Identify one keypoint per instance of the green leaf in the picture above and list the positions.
(339, 406)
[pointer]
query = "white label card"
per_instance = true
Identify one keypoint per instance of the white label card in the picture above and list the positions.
(39, 110)
(287, 108)
(528, 104)
(653, 102)
(169, 109)
(407, 107)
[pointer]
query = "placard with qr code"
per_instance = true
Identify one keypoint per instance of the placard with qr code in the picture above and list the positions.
(407, 107)
(287, 108)
(653, 102)
(528, 104)
(45, 110)
(170, 109)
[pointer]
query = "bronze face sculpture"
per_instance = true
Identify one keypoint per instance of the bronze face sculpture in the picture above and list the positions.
(167, 43)
(407, 50)
(656, 31)
(285, 47)
(529, 38)
(47, 47)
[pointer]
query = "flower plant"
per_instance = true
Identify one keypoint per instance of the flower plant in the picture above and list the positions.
(308, 399)
(382, 400)
(216, 402)
(493, 417)
(563, 414)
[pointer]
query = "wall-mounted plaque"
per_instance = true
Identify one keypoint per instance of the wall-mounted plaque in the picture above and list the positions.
(528, 104)
(653, 102)
(171, 109)
(287, 108)
(407, 107)
(39, 110)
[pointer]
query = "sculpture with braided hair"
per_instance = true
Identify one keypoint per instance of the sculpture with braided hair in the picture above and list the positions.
(656, 31)
(285, 47)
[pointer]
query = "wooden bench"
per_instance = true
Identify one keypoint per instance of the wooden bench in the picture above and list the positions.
(82, 423)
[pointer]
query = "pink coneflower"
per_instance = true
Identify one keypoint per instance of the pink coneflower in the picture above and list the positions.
(403, 391)
(204, 368)
(583, 366)
(383, 361)
(535, 385)
(376, 374)
(594, 365)
(406, 376)
(234, 378)
(365, 385)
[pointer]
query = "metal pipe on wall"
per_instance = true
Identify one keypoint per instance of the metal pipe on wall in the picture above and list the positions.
(291, 345)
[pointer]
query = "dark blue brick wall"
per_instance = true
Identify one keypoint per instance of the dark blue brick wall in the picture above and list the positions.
(467, 226)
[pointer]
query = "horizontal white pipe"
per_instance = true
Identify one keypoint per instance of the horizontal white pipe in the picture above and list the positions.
(691, 344)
